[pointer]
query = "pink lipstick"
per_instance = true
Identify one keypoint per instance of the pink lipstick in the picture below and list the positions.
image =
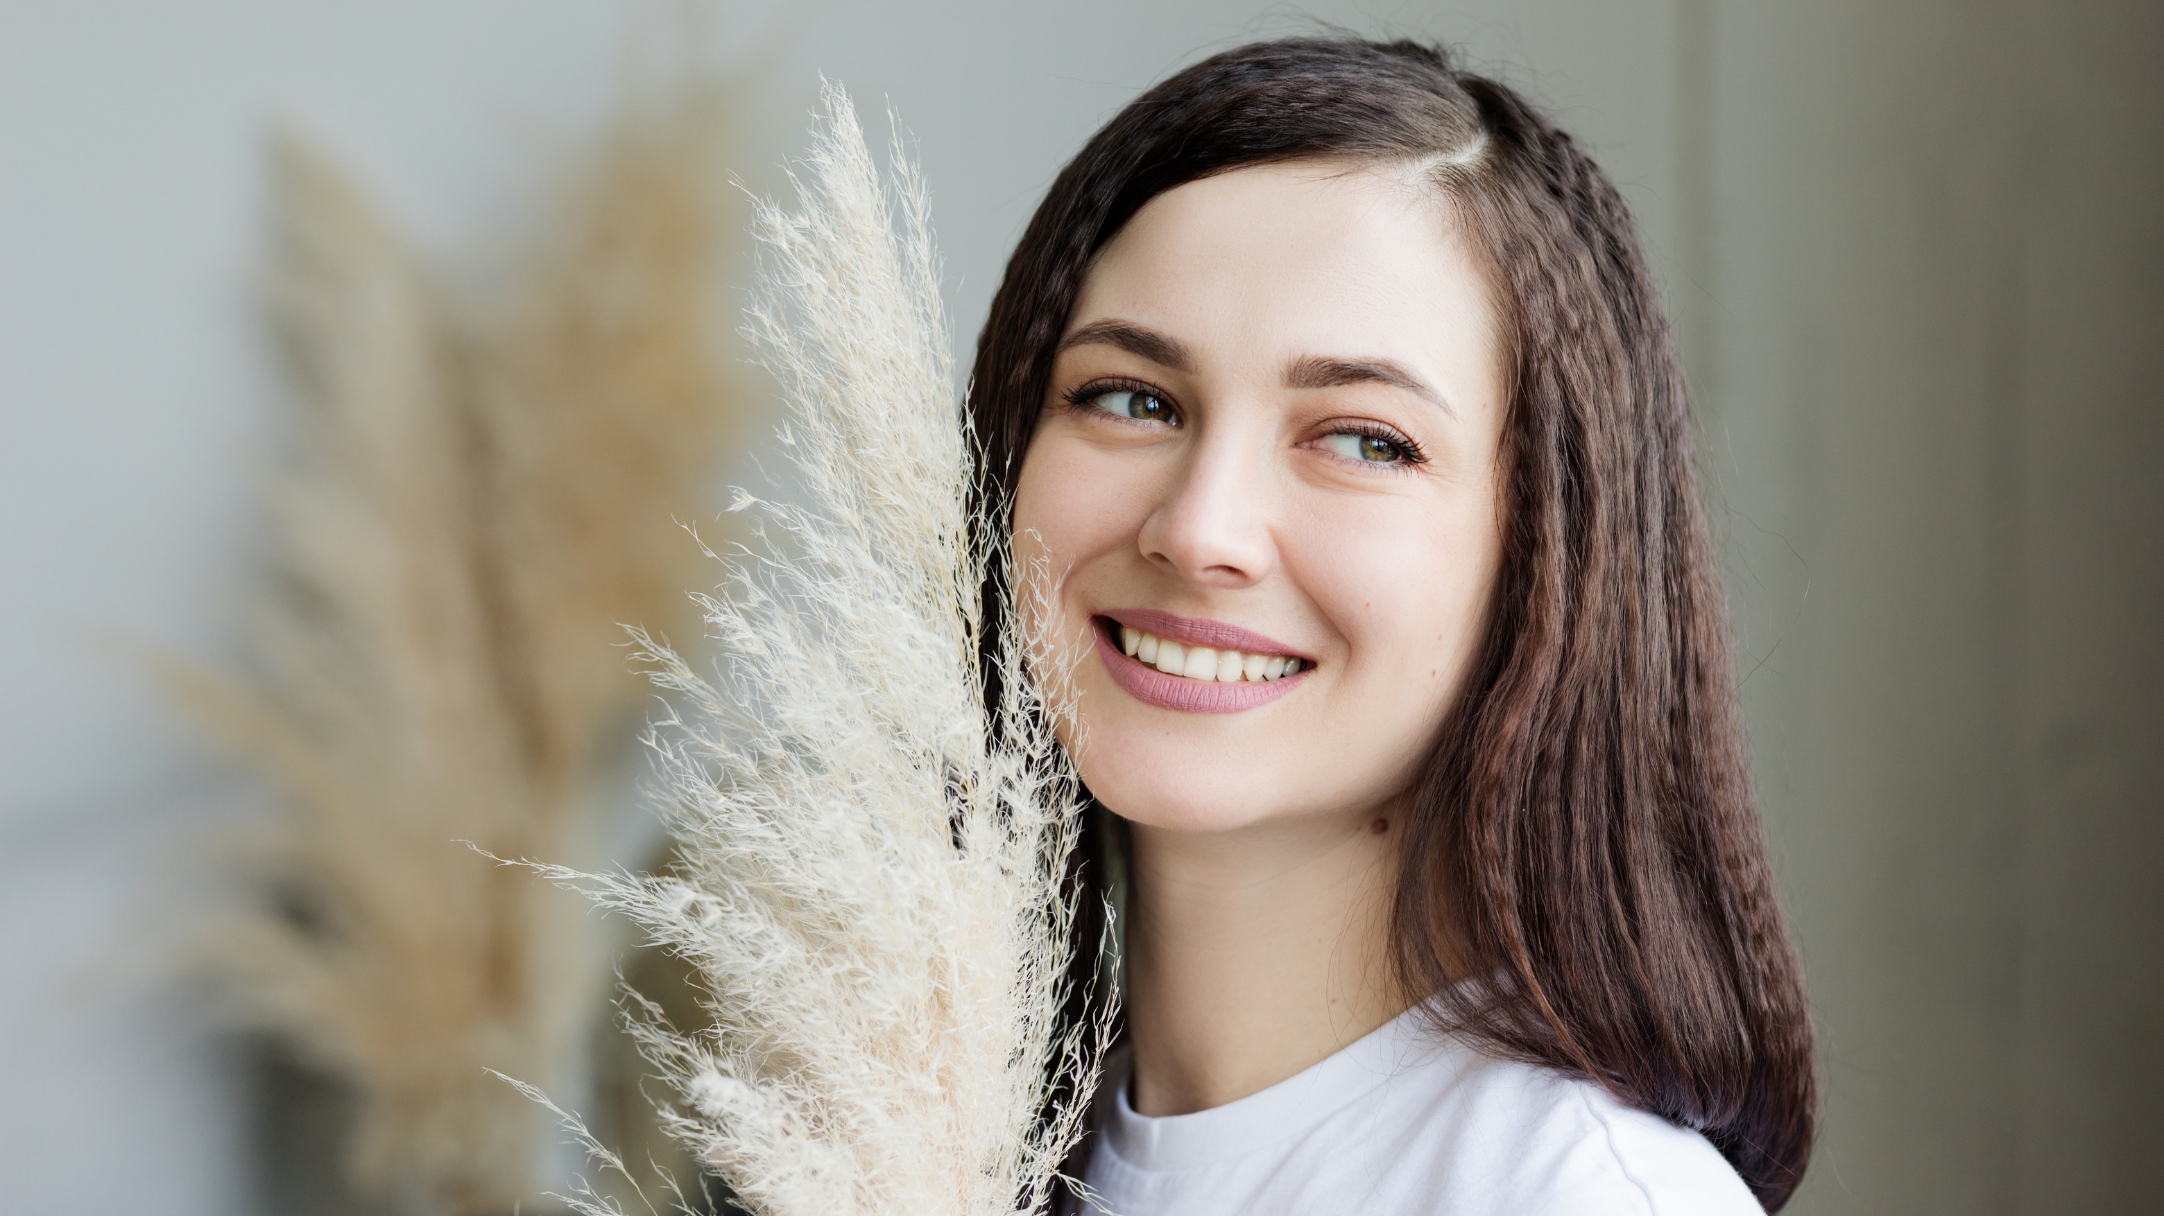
(1216, 635)
(1153, 687)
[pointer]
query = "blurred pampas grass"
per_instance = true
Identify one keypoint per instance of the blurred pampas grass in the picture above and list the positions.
(869, 856)
(476, 494)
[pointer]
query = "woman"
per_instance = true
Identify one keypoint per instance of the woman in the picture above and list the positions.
(1331, 382)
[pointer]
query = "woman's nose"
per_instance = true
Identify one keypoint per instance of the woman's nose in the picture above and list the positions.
(1212, 526)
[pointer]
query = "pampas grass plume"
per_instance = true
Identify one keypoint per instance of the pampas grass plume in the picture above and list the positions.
(475, 494)
(870, 855)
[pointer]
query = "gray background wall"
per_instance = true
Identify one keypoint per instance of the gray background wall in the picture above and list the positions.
(1916, 254)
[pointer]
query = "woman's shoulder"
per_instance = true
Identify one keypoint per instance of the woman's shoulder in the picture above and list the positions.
(1522, 1138)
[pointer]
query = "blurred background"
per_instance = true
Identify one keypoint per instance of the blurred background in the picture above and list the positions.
(1914, 250)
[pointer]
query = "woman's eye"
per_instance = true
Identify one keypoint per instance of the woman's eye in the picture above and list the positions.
(1137, 404)
(1374, 449)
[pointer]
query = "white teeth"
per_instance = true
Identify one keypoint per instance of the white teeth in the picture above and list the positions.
(1205, 663)
(1228, 666)
(1201, 664)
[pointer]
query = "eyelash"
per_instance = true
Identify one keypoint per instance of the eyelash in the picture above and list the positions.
(1409, 448)
(1084, 397)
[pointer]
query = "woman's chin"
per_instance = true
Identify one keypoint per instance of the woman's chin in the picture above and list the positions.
(1192, 802)
(1193, 820)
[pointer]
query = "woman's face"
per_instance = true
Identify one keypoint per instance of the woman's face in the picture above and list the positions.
(1271, 436)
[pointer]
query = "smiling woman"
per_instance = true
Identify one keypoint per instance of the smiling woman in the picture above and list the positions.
(1272, 432)
(1331, 387)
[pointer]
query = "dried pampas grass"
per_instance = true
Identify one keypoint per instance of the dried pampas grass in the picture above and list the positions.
(475, 496)
(870, 873)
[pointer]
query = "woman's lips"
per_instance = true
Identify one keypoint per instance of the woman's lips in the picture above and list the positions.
(1153, 687)
(1216, 635)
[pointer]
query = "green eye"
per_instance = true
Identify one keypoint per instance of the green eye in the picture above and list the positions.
(1136, 404)
(1374, 449)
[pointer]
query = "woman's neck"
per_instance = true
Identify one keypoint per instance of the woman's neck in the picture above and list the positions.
(1252, 955)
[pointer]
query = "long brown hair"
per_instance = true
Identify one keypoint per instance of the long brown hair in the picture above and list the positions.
(1584, 879)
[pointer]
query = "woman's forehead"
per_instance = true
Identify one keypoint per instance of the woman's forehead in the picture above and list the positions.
(1293, 260)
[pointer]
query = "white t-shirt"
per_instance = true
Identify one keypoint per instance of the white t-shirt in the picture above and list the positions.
(1404, 1122)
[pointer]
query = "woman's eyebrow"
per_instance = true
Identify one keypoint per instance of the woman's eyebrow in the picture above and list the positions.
(1135, 340)
(1315, 371)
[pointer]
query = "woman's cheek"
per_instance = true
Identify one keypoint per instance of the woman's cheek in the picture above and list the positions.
(1081, 501)
(1405, 585)
(1069, 515)
(1359, 565)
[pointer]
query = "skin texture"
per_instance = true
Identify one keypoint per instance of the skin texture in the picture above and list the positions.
(1267, 324)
